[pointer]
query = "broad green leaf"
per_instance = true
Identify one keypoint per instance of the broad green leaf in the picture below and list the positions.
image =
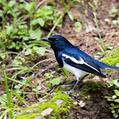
(9, 29)
(30, 7)
(35, 34)
(46, 12)
(3, 56)
(113, 12)
(116, 92)
(39, 50)
(77, 26)
(116, 100)
(3, 100)
(18, 61)
(12, 3)
(28, 51)
(55, 81)
(38, 21)
(1, 13)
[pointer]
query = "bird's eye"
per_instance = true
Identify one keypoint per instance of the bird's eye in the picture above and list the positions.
(56, 39)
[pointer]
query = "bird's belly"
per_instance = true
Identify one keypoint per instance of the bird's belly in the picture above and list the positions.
(77, 72)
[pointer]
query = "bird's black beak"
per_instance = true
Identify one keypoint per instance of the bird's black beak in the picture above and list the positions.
(45, 39)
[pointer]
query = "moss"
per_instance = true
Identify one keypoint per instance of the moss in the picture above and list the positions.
(28, 116)
(58, 110)
(113, 57)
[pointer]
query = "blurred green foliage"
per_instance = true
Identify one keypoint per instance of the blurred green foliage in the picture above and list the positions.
(60, 105)
(21, 23)
(113, 97)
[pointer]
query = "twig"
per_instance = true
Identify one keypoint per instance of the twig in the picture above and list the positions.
(44, 70)
(40, 3)
(57, 22)
(100, 41)
(42, 61)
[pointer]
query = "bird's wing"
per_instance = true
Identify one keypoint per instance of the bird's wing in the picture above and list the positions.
(83, 64)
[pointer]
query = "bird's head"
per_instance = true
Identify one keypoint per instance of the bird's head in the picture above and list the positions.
(57, 42)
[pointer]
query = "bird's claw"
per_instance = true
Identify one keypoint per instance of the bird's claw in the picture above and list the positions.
(71, 93)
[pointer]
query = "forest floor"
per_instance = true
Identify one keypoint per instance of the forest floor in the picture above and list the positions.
(90, 101)
(96, 107)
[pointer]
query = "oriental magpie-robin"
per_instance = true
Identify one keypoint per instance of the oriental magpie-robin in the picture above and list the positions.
(74, 60)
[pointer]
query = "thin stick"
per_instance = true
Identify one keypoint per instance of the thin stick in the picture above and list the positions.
(57, 22)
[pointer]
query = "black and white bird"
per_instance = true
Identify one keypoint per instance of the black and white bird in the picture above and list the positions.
(74, 60)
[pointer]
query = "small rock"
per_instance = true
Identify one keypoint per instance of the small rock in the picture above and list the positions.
(46, 112)
(38, 117)
(82, 103)
(117, 64)
(107, 20)
(75, 103)
(114, 96)
(30, 111)
(59, 102)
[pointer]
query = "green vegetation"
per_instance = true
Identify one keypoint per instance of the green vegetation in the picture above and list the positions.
(113, 97)
(57, 107)
(22, 25)
(113, 57)
(26, 76)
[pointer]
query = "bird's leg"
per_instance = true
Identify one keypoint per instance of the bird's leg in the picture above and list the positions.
(70, 92)
(109, 77)
(78, 79)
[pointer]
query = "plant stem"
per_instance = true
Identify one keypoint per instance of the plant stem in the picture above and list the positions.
(55, 25)
(100, 41)
(9, 96)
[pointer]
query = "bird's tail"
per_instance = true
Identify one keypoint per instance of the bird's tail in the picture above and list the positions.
(105, 66)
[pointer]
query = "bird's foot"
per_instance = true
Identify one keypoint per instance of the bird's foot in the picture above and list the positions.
(109, 77)
(71, 93)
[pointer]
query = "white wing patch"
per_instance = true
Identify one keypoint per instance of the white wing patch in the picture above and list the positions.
(81, 61)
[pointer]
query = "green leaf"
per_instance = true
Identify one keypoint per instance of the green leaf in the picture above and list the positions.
(38, 21)
(46, 12)
(116, 100)
(77, 26)
(3, 100)
(12, 3)
(3, 56)
(9, 29)
(28, 51)
(113, 12)
(66, 73)
(35, 34)
(18, 61)
(55, 81)
(30, 7)
(39, 50)
(1, 13)
(116, 92)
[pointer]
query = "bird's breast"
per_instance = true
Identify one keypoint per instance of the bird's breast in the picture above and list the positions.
(77, 72)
